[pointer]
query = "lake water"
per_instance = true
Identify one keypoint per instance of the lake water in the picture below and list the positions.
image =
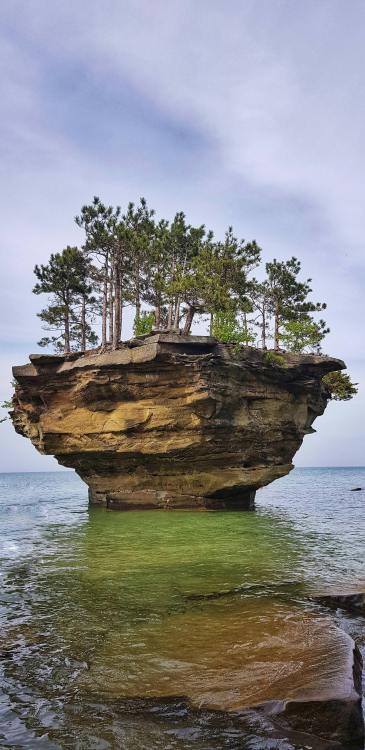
(110, 621)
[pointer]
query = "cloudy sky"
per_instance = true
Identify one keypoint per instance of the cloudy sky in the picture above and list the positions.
(247, 112)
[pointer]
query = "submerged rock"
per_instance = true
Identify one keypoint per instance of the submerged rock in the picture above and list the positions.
(257, 657)
(351, 602)
(172, 421)
(285, 590)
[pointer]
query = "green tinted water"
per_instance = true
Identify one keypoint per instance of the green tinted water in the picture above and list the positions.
(113, 622)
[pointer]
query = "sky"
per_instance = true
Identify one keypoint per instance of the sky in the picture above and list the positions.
(250, 113)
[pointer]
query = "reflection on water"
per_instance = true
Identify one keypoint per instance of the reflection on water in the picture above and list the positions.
(105, 616)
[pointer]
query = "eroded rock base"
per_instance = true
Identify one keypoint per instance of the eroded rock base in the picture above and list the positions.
(152, 500)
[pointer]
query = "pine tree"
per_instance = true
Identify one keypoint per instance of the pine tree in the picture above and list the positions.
(138, 232)
(259, 295)
(340, 386)
(185, 243)
(156, 269)
(217, 279)
(99, 222)
(66, 279)
(288, 297)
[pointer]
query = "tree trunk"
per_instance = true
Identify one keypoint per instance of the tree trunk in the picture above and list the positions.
(83, 324)
(177, 313)
(137, 294)
(211, 324)
(189, 320)
(111, 305)
(117, 307)
(276, 329)
(105, 304)
(169, 316)
(67, 330)
(157, 314)
(263, 335)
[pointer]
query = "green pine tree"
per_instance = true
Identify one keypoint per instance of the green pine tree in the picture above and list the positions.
(66, 280)
(288, 296)
(340, 386)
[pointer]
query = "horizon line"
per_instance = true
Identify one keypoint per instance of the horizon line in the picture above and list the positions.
(69, 471)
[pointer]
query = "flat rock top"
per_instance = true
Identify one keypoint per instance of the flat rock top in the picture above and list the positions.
(147, 348)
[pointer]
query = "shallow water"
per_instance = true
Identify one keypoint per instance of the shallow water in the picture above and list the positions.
(110, 621)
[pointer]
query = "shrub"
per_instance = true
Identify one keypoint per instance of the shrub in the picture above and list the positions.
(340, 386)
(274, 359)
(228, 330)
(144, 324)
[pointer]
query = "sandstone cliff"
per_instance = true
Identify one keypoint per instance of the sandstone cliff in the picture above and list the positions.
(169, 421)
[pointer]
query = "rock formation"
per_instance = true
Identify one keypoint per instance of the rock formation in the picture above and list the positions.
(169, 421)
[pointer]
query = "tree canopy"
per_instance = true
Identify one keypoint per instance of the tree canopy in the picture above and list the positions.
(339, 386)
(67, 279)
(171, 273)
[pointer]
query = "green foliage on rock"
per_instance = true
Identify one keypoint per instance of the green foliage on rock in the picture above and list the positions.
(7, 404)
(303, 333)
(144, 324)
(274, 359)
(340, 386)
(226, 328)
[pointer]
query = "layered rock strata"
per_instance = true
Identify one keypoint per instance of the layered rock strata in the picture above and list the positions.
(170, 421)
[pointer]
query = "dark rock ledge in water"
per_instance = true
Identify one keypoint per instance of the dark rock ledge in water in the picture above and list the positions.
(251, 729)
(285, 590)
(350, 602)
(170, 421)
(335, 716)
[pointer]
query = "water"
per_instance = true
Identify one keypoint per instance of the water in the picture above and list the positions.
(147, 629)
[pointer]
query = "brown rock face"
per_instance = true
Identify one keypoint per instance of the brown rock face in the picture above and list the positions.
(171, 422)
